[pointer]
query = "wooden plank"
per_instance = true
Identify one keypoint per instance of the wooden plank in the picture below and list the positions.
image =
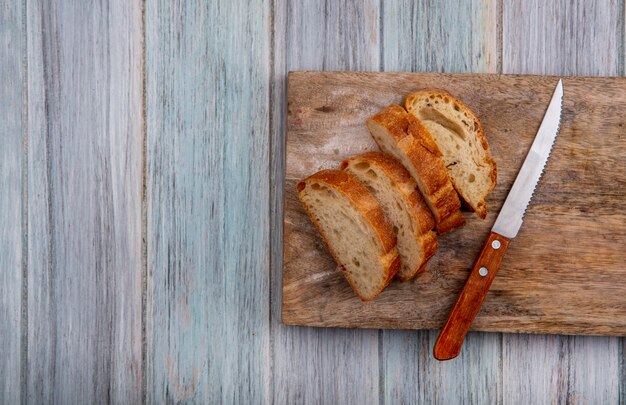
(582, 195)
(317, 365)
(561, 37)
(207, 201)
(11, 199)
(440, 41)
(84, 206)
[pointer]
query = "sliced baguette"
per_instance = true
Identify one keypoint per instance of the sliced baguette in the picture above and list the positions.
(396, 191)
(354, 228)
(400, 134)
(461, 140)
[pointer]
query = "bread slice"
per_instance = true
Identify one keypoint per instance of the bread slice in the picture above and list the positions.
(396, 191)
(354, 228)
(400, 134)
(461, 140)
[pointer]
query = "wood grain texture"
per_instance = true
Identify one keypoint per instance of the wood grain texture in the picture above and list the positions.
(208, 335)
(84, 205)
(208, 201)
(563, 37)
(582, 38)
(427, 35)
(412, 376)
(11, 199)
(313, 365)
(560, 369)
(581, 195)
(457, 36)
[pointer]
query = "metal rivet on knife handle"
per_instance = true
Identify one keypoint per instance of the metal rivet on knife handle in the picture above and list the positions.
(495, 244)
(468, 303)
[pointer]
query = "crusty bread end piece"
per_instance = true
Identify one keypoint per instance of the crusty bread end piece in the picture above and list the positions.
(462, 142)
(396, 191)
(354, 228)
(400, 134)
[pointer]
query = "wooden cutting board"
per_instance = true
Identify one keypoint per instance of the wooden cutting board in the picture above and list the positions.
(565, 272)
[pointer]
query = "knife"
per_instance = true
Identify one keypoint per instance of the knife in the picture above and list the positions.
(507, 225)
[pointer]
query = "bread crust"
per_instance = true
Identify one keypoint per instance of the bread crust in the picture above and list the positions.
(364, 202)
(481, 208)
(419, 212)
(414, 140)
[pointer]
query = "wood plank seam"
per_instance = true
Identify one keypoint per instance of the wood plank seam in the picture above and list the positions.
(271, 195)
(24, 303)
(144, 210)
(51, 192)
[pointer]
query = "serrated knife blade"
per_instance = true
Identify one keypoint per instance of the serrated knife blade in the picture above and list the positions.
(508, 223)
(512, 213)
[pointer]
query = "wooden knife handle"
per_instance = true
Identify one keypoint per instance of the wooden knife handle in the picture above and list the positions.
(468, 304)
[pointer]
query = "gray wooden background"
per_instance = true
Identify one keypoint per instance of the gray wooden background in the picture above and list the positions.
(141, 167)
